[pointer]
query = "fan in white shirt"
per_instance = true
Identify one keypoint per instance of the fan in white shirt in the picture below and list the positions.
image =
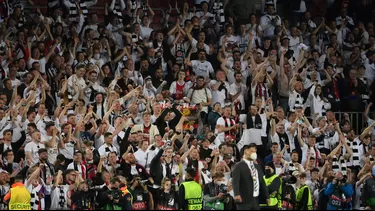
(107, 147)
(59, 193)
(220, 89)
(76, 82)
(141, 155)
(31, 149)
(77, 164)
(238, 90)
(228, 39)
(145, 27)
(112, 163)
(51, 141)
(295, 95)
(204, 15)
(35, 57)
(269, 21)
(92, 88)
(319, 104)
(201, 66)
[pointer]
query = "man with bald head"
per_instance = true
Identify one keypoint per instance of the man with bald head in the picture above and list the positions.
(131, 168)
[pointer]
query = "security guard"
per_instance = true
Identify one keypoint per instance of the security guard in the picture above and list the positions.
(273, 183)
(303, 194)
(18, 196)
(190, 192)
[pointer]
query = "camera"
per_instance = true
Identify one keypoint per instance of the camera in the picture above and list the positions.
(168, 143)
(134, 38)
(223, 189)
(290, 180)
(289, 54)
(341, 181)
(116, 194)
(142, 182)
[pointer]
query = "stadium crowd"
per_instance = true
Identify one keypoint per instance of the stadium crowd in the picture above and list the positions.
(223, 105)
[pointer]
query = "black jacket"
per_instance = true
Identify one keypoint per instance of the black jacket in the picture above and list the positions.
(164, 200)
(156, 168)
(161, 124)
(243, 184)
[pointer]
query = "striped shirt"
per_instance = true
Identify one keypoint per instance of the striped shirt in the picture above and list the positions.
(355, 158)
(75, 7)
(116, 7)
(339, 165)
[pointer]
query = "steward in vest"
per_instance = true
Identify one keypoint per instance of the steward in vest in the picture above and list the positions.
(273, 183)
(127, 198)
(340, 193)
(190, 192)
(18, 196)
(368, 193)
(216, 196)
(303, 196)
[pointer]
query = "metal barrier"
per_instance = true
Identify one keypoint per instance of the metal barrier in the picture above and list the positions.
(357, 120)
(96, 8)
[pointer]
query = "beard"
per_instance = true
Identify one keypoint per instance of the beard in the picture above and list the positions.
(44, 159)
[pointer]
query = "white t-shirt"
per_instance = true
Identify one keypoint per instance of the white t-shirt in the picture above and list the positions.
(220, 96)
(198, 96)
(68, 151)
(194, 43)
(42, 63)
(221, 136)
(231, 40)
(202, 68)
(205, 17)
(33, 148)
(15, 83)
(234, 89)
(145, 31)
(52, 151)
(140, 157)
(105, 149)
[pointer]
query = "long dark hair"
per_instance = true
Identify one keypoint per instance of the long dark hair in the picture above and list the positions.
(321, 93)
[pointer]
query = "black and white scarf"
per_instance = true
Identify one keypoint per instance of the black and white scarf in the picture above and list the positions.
(62, 200)
(74, 10)
(108, 149)
(36, 200)
(251, 124)
(218, 11)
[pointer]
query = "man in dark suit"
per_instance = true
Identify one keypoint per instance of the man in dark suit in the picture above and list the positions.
(248, 184)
